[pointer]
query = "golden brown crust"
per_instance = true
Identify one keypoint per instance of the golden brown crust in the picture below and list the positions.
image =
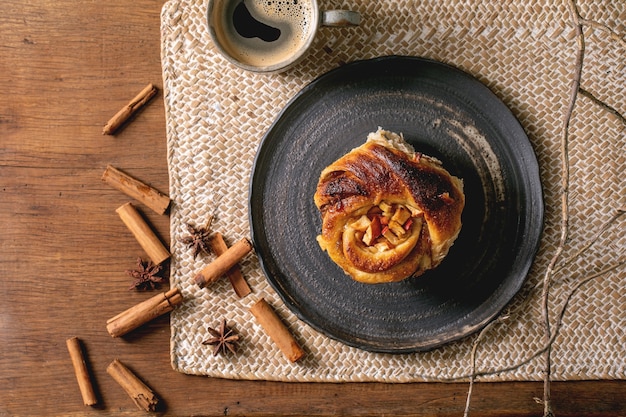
(378, 174)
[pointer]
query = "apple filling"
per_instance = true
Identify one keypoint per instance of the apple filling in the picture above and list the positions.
(382, 235)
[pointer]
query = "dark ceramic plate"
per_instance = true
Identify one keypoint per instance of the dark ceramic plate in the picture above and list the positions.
(442, 112)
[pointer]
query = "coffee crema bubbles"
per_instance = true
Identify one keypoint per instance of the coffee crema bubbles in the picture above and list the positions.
(265, 32)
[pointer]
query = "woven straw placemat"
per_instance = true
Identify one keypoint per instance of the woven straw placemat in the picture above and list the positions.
(525, 52)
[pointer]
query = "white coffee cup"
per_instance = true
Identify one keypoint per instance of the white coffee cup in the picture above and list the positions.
(269, 35)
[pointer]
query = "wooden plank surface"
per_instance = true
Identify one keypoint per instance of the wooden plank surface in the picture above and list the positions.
(65, 68)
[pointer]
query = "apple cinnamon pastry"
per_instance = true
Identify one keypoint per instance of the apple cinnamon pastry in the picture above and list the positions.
(388, 212)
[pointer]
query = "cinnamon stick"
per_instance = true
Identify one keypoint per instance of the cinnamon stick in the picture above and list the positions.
(276, 330)
(136, 189)
(129, 109)
(234, 274)
(223, 263)
(82, 373)
(143, 312)
(142, 232)
(139, 392)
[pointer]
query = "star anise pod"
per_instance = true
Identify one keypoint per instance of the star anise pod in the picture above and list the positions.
(198, 238)
(224, 339)
(145, 275)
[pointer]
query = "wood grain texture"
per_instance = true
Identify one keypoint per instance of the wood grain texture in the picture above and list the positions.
(66, 67)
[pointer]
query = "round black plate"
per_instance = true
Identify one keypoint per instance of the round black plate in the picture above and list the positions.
(442, 112)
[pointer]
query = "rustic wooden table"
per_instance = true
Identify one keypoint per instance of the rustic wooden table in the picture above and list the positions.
(65, 68)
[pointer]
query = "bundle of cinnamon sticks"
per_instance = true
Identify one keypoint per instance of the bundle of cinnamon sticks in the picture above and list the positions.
(226, 263)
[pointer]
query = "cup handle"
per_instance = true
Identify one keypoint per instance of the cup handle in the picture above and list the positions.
(340, 18)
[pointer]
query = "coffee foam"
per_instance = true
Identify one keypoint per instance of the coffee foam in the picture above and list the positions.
(294, 18)
(296, 12)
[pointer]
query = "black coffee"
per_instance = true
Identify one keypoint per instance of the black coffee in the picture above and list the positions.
(264, 32)
(247, 26)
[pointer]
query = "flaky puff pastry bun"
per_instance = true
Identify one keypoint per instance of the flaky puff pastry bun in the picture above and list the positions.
(388, 212)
